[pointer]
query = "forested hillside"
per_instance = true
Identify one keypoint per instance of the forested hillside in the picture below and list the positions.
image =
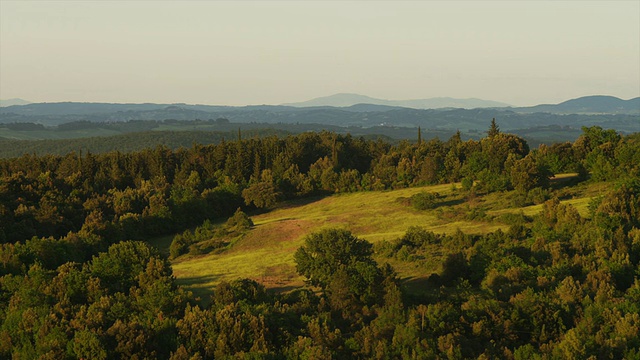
(81, 278)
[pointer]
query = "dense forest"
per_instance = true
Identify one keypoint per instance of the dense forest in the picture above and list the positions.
(17, 139)
(81, 278)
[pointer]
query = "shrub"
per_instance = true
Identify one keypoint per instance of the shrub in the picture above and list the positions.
(424, 200)
(238, 222)
(179, 246)
(467, 183)
(538, 195)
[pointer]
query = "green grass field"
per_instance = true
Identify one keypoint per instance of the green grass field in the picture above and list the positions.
(265, 253)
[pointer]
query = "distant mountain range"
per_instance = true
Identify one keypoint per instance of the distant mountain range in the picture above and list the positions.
(605, 111)
(345, 100)
(11, 102)
(597, 104)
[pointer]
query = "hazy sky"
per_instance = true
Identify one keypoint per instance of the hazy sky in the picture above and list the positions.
(238, 53)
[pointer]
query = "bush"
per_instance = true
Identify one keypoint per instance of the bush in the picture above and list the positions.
(538, 195)
(424, 200)
(238, 222)
(239, 290)
(476, 213)
(208, 237)
(179, 246)
(518, 199)
(467, 183)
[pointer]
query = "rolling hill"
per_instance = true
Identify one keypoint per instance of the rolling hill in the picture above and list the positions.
(597, 104)
(361, 115)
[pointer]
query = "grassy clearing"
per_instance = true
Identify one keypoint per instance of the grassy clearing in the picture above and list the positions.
(265, 253)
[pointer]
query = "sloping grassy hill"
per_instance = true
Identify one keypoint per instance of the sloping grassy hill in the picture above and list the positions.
(265, 253)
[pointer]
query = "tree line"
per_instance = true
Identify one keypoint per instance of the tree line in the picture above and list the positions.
(158, 191)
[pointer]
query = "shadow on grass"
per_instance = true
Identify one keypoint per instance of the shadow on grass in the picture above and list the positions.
(417, 290)
(557, 183)
(451, 202)
(288, 204)
(162, 243)
(194, 281)
(200, 286)
(417, 282)
(303, 201)
(283, 289)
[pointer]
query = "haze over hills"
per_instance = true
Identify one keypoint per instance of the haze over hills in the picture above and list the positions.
(346, 99)
(597, 104)
(11, 102)
(604, 111)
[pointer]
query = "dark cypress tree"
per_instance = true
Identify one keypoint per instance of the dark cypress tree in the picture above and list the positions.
(334, 152)
(494, 129)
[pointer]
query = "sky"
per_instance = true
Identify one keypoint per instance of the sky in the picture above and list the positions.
(240, 53)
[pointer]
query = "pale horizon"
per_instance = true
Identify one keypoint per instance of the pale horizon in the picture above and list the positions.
(251, 53)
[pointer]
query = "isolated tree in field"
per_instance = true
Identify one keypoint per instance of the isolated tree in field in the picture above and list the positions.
(424, 200)
(335, 257)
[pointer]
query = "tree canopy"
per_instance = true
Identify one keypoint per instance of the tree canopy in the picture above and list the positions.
(80, 278)
(334, 256)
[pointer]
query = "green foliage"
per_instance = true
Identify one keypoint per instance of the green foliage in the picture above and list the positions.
(467, 183)
(454, 267)
(119, 267)
(527, 175)
(554, 285)
(493, 129)
(239, 290)
(180, 244)
(238, 222)
(87, 345)
(424, 200)
(621, 207)
(262, 194)
(538, 195)
(208, 237)
(339, 262)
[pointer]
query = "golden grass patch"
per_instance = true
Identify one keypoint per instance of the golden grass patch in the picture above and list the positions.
(265, 253)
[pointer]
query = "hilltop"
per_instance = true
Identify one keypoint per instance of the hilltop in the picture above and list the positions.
(597, 104)
(12, 102)
(346, 99)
